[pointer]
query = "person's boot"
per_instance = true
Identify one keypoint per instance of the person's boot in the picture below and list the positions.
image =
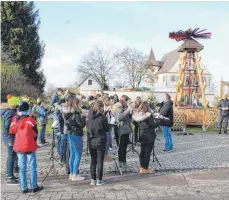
(26, 191)
(143, 171)
(146, 171)
(37, 189)
(150, 171)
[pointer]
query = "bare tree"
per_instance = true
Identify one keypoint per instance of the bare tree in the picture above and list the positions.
(151, 74)
(99, 64)
(50, 89)
(132, 62)
(120, 84)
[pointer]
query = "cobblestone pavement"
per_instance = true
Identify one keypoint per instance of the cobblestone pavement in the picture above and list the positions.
(193, 152)
(211, 185)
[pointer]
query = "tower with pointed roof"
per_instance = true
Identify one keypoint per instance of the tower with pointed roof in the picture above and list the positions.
(153, 66)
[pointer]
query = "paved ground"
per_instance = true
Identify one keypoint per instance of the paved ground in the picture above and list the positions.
(213, 185)
(208, 153)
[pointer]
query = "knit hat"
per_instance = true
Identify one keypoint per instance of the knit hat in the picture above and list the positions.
(23, 108)
(9, 96)
(13, 101)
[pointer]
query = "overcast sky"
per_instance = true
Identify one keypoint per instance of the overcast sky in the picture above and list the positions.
(70, 29)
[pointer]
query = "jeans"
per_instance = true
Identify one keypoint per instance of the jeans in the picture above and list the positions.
(63, 147)
(62, 140)
(144, 157)
(109, 140)
(41, 134)
(122, 148)
(115, 128)
(168, 138)
(58, 145)
(221, 118)
(75, 148)
(97, 151)
(10, 162)
(22, 160)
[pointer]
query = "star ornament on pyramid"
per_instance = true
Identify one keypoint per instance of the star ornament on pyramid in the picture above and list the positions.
(197, 33)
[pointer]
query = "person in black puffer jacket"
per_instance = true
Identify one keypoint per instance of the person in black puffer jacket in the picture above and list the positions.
(74, 123)
(166, 110)
(97, 126)
(147, 126)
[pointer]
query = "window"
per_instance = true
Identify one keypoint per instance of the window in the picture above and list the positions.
(173, 78)
(89, 82)
(163, 78)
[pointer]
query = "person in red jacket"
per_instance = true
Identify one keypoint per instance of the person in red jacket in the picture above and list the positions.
(25, 129)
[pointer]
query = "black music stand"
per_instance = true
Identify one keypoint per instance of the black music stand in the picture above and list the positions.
(52, 158)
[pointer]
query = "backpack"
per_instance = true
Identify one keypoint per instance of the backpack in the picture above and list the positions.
(24, 134)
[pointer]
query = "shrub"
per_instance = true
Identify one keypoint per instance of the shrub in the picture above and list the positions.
(15, 83)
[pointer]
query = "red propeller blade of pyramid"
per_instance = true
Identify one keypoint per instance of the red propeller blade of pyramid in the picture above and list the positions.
(190, 34)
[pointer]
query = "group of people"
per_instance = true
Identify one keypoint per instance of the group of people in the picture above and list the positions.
(100, 114)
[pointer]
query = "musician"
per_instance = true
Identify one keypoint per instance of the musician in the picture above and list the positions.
(58, 123)
(56, 97)
(108, 114)
(42, 117)
(147, 126)
(166, 110)
(97, 126)
(123, 112)
(114, 120)
(137, 103)
(116, 99)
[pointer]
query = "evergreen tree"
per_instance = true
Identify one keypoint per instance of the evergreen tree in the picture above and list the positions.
(19, 32)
